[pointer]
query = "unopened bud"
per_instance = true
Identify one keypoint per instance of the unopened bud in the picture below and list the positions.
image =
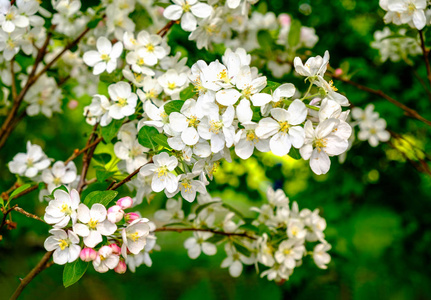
(115, 249)
(125, 202)
(88, 254)
(121, 268)
(115, 214)
(338, 72)
(130, 217)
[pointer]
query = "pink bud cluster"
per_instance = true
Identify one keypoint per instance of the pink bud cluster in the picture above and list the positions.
(116, 212)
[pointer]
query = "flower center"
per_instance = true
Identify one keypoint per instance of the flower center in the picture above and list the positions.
(319, 144)
(287, 251)
(193, 121)
(57, 181)
(65, 209)
(186, 7)
(216, 126)
(150, 48)
(29, 162)
(187, 186)
(9, 17)
(247, 92)
(93, 224)
(223, 76)
(133, 236)
(122, 102)
(331, 84)
(105, 57)
(251, 136)
(162, 171)
(64, 244)
(284, 126)
(140, 61)
(411, 8)
(172, 85)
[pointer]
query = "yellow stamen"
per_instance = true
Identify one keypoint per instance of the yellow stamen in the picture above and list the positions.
(320, 143)
(193, 121)
(216, 126)
(251, 136)
(284, 126)
(162, 171)
(122, 102)
(105, 57)
(92, 224)
(63, 244)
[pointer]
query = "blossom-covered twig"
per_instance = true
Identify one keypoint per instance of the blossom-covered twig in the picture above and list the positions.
(179, 230)
(409, 111)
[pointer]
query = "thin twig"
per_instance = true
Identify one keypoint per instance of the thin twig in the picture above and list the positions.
(162, 32)
(12, 63)
(409, 111)
(127, 179)
(88, 154)
(42, 265)
(77, 152)
(179, 230)
(5, 214)
(27, 214)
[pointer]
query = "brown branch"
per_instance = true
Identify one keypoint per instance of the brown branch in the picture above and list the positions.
(409, 112)
(425, 53)
(42, 265)
(5, 129)
(77, 152)
(5, 214)
(127, 179)
(179, 230)
(162, 32)
(27, 214)
(88, 154)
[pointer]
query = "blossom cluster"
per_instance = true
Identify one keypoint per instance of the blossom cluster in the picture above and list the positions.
(412, 12)
(372, 127)
(280, 234)
(111, 238)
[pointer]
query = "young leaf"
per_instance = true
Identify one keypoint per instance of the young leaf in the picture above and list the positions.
(102, 174)
(265, 40)
(22, 188)
(102, 158)
(294, 36)
(110, 131)
(173, 106)
(249, 227)
(294, 153)
(241, 249)
(145, 137)
(161, 140)
(233, 210)
(188, 92)
(271, 86)
(73, 272)
(102, 197)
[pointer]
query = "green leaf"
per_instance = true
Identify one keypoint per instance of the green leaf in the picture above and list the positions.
(73, 272)
(294, 153)
(294, 36)
(203, 206)
(188, 92)
(173, 106)
(249, 227)
(265, 40)
(102, 174)
(216, 238)
(271, 86)
(241, 249)
(22, 188)
(162, 4)
(145, 137)
(61, 187)
(161, 140)
(233, 210)
(110, 131)
(102, 197)
(102, 158)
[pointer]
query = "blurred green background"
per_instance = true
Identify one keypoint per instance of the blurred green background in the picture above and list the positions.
(377, 206)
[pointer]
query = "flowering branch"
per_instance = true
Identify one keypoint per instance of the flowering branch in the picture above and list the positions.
(42, 265)
(91, 146)
(409, 111)
(6, 129)
(127, 179)
(179, 230)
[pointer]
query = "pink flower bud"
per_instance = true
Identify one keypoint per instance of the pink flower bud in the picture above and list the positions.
(284, 19)
(315, 101)
(125, 202)
(121, 267)
(88, 254)
(338, 71)
(130, 217)
(72, 104)
(115, 249)
(115, 214)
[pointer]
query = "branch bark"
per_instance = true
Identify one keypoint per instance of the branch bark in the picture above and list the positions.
(179, 230)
